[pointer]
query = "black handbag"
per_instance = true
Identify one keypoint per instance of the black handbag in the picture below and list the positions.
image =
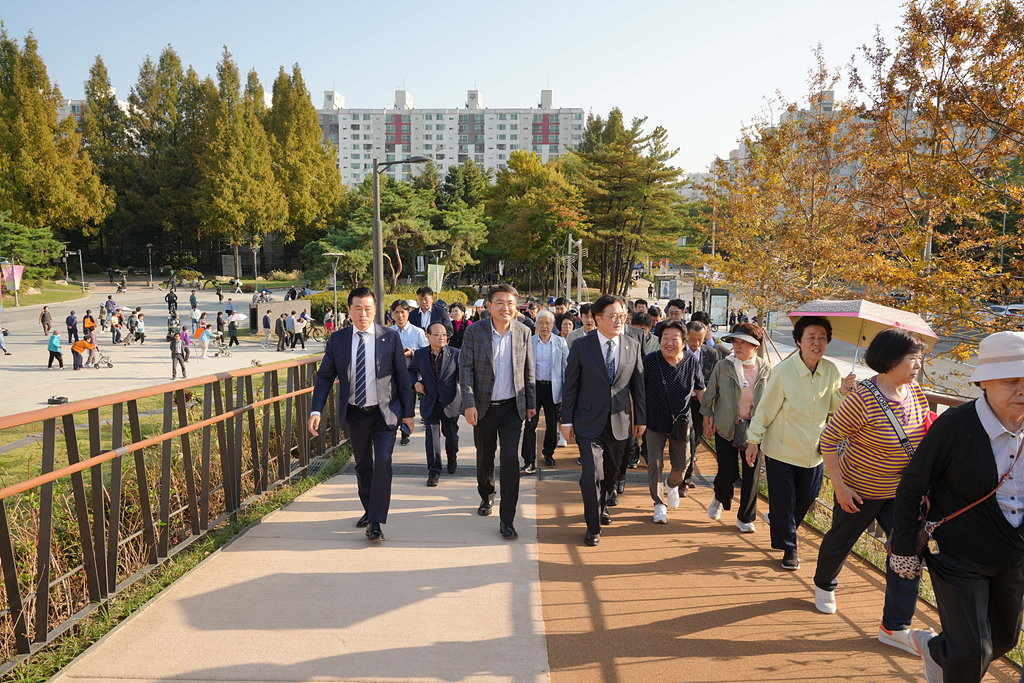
(680, 422)
(739, 435)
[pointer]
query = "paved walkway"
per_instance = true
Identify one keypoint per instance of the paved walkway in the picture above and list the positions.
(304, 596)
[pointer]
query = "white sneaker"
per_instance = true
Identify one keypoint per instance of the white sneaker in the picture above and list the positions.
(715, 509)
(562, 443)
(672, 496)
(932, 670)
(660, 514)
(901, 638)
(745, 527)
(825, 601)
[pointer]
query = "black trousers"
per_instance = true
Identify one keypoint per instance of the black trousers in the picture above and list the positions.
(601, 459)
(72, 335)
(298, 338)
(55, 355)
(373, 442)
(233, 341)
(791, 493)
(436, 427)
(545, 402)
(499, 431)
(980, 610)
(729, 458)
(695, 433)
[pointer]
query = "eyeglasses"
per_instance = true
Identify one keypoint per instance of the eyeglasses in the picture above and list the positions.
(504, 304)
(614, 317)
(439, 335)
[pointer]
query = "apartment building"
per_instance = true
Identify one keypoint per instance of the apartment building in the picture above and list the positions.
(74, 108)
(448, 136)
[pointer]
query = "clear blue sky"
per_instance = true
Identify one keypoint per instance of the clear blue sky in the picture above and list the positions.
(699, 68)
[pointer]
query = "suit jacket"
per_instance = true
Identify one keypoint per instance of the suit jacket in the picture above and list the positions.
(476, 369)
(589, 399)
(559, 358)
(437, 315)
(578, 333)
(394, 392)
(444, 388)
(709, 358)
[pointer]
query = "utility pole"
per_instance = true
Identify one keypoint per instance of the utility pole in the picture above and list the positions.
(568, 270)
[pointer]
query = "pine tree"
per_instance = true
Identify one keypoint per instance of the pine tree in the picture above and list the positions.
(44, 177)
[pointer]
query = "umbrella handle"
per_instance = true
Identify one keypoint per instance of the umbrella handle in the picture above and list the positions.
(856, 353)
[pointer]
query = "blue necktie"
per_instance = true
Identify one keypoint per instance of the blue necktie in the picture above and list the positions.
(609, 361)
(361, 370)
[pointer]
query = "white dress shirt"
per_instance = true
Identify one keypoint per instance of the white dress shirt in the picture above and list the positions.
(616, 355)
(424, 318)
(371, 367)
(1005, 444)
(542, 360)
(412, 336)
(501, 359)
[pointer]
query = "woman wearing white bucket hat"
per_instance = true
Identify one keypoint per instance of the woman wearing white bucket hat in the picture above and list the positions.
(970, 467)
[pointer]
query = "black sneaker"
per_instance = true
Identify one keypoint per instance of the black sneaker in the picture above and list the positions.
(791, 561)
(549, 461)
(405, 439)
(453, 464)
(433, 478)
(528, 468)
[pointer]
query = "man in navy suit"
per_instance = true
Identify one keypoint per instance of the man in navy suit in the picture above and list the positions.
(368, 361)
(434, 374)
(429, 312)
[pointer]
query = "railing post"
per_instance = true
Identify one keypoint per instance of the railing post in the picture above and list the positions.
(254, 446)
(81, 509)
(142, 478)
(187, 464)
(204, 502)
(43, 549)
(99, 530)
(265, 442)
(163, 545)
(237, 451)
(289, 388)
(222, 442)
(10, 572)
(114, 526)
(279, 436)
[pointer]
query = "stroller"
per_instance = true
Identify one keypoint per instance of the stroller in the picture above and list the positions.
(172, 327)
(103, 361)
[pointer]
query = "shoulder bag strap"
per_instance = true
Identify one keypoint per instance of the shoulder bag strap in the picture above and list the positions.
(668, 397)
(932, 526)
(883, 403)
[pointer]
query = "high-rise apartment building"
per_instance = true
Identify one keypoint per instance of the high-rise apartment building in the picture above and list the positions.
(74, 107)
(448, 136)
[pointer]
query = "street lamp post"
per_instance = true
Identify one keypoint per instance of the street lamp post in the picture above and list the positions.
(337, 257)
(149, 247)
(81, 268)
(378, 232)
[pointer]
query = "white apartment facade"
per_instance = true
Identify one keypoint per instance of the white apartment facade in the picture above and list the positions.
(448, 136)
(74, 107)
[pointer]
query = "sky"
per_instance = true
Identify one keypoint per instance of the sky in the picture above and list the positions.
(700, 69)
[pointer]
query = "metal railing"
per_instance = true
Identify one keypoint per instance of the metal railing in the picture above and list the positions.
(133, 518)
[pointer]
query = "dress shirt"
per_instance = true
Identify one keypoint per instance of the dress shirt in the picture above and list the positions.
(1005, 443)
(501, 359)
(542, 361)
(435, 362)
(424, 319)
(412, 336)
(371, 368)
(617, 341)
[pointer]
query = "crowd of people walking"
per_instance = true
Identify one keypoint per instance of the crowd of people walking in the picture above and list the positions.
(625, 384)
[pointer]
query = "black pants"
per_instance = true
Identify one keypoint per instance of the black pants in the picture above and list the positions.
(601, 459)
(55, 355)
(545, 402)
(436, 427)
(177, 359)
(980, 611)
(373, 442)
(72, 335)
(729, 458)
(900, 594)
(298, 338)
(233, 341)
(499, 430)
(695, 433)
(281, 342)
(791, 493)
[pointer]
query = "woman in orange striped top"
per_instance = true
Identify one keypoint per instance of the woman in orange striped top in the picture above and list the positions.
(865, 476)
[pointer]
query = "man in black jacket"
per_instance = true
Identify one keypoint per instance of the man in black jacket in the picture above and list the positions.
(282, 332)
(428, 312)
(434, 374)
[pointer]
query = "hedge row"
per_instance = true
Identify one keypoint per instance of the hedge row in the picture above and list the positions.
(319, 303)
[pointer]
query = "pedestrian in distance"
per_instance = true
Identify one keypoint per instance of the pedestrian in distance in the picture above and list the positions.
(238, 286)
(734, 390)
(46, 320)
(802, 391)
(329, 321)
(221, 323)
(172, 302)
(650, 291)
(434, 375)
(177, 356)
(499, 393)
(550, 355)
(880, 424)
(103, 316)
(374, 395)
(77, 349)
(194, 316)
(586, 327)
(116, 321)
(3, 342)
(186, 343)
(110, 274)
(140, 328)
(412, 338)
(229, 309)
(71, 322)
(459, 324)
(205, 338)
(289, 325)
(299, 333)
(192, 300)
(281, 329)
(233, 333)
(671, 376)
(220, 293)
(603, 402)
(53, 347)
(268, 324)
(707, 358)
(88, 323)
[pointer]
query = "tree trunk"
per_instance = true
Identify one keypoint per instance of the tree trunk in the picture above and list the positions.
(604, 266)
(238, 264)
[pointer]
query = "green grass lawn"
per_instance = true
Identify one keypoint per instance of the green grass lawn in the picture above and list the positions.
(51, 294)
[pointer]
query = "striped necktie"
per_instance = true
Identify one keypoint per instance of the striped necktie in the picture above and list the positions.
(361, 370)
(609, 361)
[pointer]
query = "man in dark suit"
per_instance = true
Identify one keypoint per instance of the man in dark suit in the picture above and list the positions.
(707, 358)
(434, 373)
(368, 361)
(499, 393)
(603, 403)
(429, 312)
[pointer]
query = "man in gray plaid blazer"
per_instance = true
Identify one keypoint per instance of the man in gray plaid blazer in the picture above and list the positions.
(498, 395)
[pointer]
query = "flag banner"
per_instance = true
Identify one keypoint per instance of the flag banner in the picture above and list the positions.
(435, 277)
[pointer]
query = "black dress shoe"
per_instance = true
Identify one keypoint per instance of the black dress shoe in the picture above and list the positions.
(433, 478)
(528, 468)
(484, 509)
(363, 521)
(606, 519)
(508, 531)
(620, 487)
(549, 461)
(614, 500)
(374, 533)
(452, 464)
(405, 439)
(633, 463)
(592, 539)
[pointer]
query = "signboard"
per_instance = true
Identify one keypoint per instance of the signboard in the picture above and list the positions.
(667, 287)
(435, 277)
(12, 276)
(719, 309)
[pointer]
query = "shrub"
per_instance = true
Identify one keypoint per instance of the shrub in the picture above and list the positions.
(284, 275)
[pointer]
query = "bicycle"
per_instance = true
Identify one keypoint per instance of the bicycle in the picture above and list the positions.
(317, 333)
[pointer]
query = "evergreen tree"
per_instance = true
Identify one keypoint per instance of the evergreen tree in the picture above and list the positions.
(44, 177)
(31, 247)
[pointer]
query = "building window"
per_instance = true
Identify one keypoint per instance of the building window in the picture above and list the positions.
(355, 146)
(500, 146)
(501, 117)
(389, 138)
(553, 118)
(439, 156)
(463, 148)
(553, 149)
(355, 136)
(479, 128)
(406, 176)
(428, 137)
(577, 137)
(513, 147)
(501, 126)
(406, 128)
(389, 148)
(367, 137)
(538, 118)
(478, 158)
(405, 138)
(440, 147)
(478, 117)
(390, 118)
(390, 157)
(463, 158)
(536, 148)
(463, 128)
(514, 126)
(553, 139)
(428, 147)
(479, 148)
(366, 117)
(355, 176)
(367, 148)
(355, 165)
(501, 137)
(440, 126)
(355, 126)
(514, 117)
(407, 148)
(577, 117)
(577, 126)
(463, 138)
(513, 137)
(501, 157)
(429, 117)
(463, 118)
(428, 126)
(538, 138)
